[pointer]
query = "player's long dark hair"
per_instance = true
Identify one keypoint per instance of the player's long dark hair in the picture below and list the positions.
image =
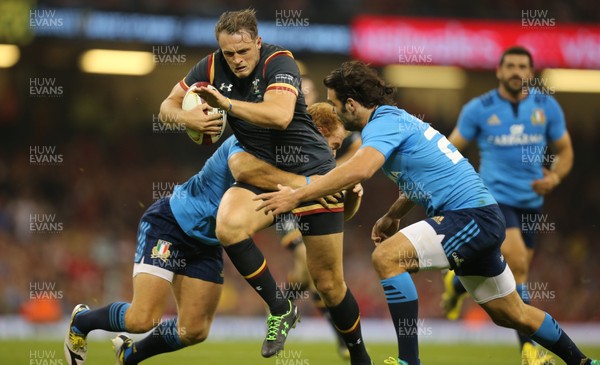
(358, 81)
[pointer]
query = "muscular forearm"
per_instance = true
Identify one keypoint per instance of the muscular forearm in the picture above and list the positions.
(171, 112)
(275, 111)
(401, 206)
(338, 179)
(251, 170)
(359, 168)
(268, 178)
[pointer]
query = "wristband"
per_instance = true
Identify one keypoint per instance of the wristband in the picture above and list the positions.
(307, 180)
(230, 105)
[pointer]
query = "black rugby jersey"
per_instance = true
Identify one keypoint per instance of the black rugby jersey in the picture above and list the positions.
(300, 148)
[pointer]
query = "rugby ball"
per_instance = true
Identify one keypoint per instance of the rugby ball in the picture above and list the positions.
(191, 100)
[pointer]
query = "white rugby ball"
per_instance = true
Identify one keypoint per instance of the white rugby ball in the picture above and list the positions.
(192, 100)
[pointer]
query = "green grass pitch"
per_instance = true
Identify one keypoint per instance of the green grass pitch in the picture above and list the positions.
(248, 353)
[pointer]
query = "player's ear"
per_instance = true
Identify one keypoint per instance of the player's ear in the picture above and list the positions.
(258, 41)
(350, 105)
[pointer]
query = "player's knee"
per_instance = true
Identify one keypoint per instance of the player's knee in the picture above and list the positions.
(231, 230)
(511, 317)
(194, 334)
(330, 290)
(326, 288)
(386, 264)
(502, 322)
(500, 319)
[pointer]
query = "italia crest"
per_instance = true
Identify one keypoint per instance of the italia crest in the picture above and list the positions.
(538, 117)
(161, 250)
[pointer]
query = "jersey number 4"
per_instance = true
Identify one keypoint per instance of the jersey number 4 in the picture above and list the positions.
(443, 144)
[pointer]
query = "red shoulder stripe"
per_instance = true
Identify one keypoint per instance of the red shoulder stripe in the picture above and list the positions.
(272, 56)
(183, 85)
(210, 68)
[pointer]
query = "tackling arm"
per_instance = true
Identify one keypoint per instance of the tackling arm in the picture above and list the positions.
(360, 167)
(254, 171)
(389, 224)
(401, 206)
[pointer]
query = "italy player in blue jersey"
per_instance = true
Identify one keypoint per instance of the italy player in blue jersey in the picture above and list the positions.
(513, 125)
(177, 250)
(465, 227)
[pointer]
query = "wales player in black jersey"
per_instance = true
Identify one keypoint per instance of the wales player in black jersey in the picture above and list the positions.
(259, 85)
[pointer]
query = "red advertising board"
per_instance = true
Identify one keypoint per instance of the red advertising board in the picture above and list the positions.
(474, 44)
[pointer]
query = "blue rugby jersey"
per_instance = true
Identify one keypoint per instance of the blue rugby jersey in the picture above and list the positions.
(512, 140)
(195, 202)
(423, 163)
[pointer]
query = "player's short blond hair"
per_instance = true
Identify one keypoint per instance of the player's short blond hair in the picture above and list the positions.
(325, 118)
(233, 22)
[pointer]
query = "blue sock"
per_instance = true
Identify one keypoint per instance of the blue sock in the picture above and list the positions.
(109, 318)
(552, 337)
(458, 287)
(524, 294)
(402, 299)
(164, 338)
